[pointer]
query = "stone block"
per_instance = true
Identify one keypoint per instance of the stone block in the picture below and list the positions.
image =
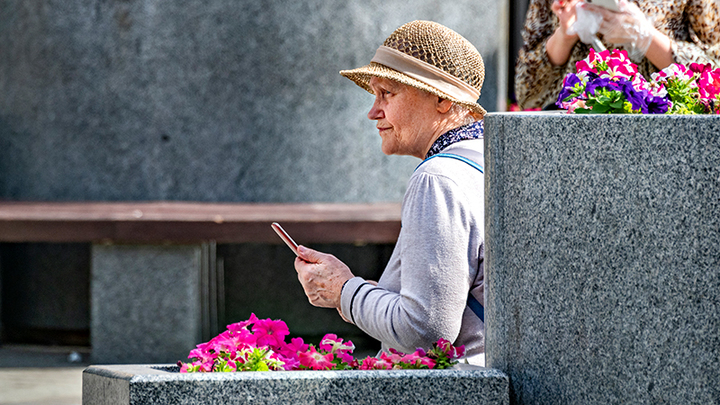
(147, 384)
(146, 303)
(602, 266)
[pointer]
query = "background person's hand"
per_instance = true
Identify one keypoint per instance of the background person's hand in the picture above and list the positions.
(628, 28)
(565, 12)
(560, 44)
(322, 277)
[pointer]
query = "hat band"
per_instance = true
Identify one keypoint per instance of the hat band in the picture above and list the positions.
(426, 73)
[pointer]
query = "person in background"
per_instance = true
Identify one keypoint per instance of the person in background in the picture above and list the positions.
(426, 80)
(655, 34)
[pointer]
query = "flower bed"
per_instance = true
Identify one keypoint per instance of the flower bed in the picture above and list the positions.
(260, 345)
(608, 82)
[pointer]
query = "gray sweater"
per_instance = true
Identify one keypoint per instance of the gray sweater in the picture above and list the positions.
(438, 258)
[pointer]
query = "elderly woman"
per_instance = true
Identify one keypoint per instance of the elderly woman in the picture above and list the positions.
(426, 80)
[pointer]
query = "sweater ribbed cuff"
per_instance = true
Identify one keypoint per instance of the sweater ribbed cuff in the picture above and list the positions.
(349, 291)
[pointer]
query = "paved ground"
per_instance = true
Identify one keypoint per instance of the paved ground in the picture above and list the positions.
(41, 375)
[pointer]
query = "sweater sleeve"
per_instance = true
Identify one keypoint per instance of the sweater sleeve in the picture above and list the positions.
(434, 279)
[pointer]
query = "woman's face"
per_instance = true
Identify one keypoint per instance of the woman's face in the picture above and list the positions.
(406, 117)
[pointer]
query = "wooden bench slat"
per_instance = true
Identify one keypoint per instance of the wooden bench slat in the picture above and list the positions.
(188, 222)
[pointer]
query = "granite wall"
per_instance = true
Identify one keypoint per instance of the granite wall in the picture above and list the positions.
(220, 100)
(602, 264)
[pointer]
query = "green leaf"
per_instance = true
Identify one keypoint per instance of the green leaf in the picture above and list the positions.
(600, 108)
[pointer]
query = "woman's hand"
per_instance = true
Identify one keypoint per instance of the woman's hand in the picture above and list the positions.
(560, 44)
(322, 277)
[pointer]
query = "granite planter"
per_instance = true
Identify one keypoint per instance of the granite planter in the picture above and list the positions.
(603, 257)
(162, 384)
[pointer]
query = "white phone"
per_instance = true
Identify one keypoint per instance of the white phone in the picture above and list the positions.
(608, 4)
(285, 237)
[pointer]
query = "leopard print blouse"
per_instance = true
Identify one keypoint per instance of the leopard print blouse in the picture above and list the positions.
(693, 27)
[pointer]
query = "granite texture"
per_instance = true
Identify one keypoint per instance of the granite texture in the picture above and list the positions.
(220, 100)
(602, 266)
(146, 303)
(139, 384)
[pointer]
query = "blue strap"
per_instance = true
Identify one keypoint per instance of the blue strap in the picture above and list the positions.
(454, 156)
(476, 307)
(472, 302)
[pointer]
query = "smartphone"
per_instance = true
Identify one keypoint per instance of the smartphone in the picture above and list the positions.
(608, 4)
(285, 237)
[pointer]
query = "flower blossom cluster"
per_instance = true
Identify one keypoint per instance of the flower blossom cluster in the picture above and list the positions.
(260, 345)
(608, 82)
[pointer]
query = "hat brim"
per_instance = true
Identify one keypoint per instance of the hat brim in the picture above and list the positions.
(362, 75)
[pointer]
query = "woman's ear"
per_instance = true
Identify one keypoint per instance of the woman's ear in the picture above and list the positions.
(443, 105)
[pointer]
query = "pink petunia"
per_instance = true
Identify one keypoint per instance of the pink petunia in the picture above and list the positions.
(451, 351)
(244, 324)
(296, 345)
(315, 360)
(373, 363)
(619, 65)
(332, 343)
(589, 64)
(270, 333)
(674, 70)
(709, 83)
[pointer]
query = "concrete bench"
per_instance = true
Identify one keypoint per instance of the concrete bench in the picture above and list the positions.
(156, 285)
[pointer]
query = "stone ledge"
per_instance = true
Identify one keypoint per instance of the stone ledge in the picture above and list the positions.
(161, 384)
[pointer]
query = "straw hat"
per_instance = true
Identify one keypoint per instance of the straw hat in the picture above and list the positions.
(431, 57)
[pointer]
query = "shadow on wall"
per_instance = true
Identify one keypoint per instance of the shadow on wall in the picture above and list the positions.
(46, 298)
(261, 279)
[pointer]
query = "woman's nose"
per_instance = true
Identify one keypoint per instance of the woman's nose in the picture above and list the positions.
(375, 112)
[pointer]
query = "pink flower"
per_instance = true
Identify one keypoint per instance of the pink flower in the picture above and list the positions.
(700, 68)
(188, 367)
(590, 63)
(418, 358)
(368, 363)
(291, 363)
(571, 106)
(373, 363)
(231, 341)
(451, 351)
(709, 81)
(296, 345)
(206, 366)
(244, 324)
(585, 66)
(619, 65)
(328, 342)
(392, 359)
(675, 70)
(204, 352)
(315, 360)
(331, 343)
(270, 333)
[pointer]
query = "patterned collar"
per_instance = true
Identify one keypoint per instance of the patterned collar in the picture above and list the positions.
(470, 131)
